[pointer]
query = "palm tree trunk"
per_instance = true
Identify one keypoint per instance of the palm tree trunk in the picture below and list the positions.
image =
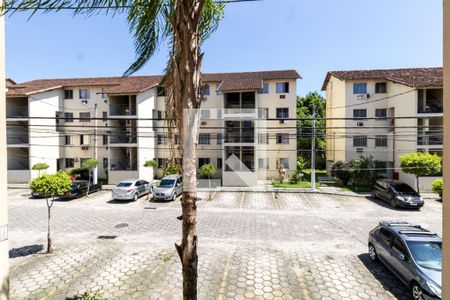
(185, 67)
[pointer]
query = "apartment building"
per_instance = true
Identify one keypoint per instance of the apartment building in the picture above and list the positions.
(360, 109)
(245, 126)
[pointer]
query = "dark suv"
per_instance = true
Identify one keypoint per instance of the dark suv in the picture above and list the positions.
(412, 253)
(397, 194)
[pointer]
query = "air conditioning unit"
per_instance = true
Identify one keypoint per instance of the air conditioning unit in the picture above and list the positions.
(368, 96)
(203, 123)
(282, 96)
(281, 121)
(85, 148)
(360, 124)
(359, 150)
(361, 97)
(84, 101)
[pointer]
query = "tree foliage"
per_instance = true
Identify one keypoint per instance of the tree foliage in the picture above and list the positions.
(40, 166)
(420, 164)
(438, 186)
(341, 170)
(207, 170)
(364, 171)
(151, 164)
(305, 108)
(301, 165)
(172, 169)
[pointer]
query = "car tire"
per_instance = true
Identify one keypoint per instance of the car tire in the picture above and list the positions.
(416, 291)
(373, 255)
(135, 197)
(174, 197)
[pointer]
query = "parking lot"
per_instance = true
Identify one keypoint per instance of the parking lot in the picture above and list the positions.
(252, 245)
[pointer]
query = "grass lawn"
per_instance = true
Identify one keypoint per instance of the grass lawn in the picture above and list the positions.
(299, 185)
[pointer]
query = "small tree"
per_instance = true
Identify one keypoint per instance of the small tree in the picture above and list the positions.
(208, 170)
(171, 169)
(437, 186)
(341, 170)
(40, 167)
(302, 164)
(420, 164)
(151, 164)
(51, 186)
(89, 164)
(364, 171)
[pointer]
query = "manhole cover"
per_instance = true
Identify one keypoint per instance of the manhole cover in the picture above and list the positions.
(107, 237)
(121, 225)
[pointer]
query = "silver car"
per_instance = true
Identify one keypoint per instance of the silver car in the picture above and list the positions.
(131, 189)
(169, 188)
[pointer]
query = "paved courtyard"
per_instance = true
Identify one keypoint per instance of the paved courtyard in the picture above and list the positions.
(251, 246)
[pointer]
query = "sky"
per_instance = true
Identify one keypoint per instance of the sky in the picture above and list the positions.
(310, 36)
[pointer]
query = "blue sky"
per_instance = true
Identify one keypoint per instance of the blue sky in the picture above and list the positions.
(311, 36)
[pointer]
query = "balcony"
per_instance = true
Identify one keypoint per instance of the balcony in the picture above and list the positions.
(18, 159)
(239, 132)
(430, 139)
(123, 159)
(17, 133)
(122, 106)
(430, 101)
(123, 132)
(17, 107)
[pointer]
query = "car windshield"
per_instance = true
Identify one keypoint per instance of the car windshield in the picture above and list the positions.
(124, 184)
(166, 182)
(427, 254)
(404, 189)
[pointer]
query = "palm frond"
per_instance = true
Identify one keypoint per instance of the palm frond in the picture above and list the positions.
(212, 13)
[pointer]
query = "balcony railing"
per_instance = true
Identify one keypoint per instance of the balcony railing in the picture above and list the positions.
(122, 139)
(123, 165)
(433, 139)
(17, 112)
(122, 110)
(17, 140)
(236, 138)
(434, 109)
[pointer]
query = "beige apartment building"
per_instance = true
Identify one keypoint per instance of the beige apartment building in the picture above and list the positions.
(247, 126)
(361, 107)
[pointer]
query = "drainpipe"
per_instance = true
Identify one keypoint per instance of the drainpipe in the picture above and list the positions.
(4, 269)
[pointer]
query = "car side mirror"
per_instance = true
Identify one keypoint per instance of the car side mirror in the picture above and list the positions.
(402, 257)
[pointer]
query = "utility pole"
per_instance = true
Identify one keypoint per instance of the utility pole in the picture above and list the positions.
(95, 171)
(313, 151)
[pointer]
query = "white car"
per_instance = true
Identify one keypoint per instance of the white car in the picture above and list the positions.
(131, 189)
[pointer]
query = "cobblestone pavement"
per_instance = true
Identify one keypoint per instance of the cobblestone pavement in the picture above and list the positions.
(252, 246)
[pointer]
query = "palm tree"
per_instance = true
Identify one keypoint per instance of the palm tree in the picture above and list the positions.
(185, 24)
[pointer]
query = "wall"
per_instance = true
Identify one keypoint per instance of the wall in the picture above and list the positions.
(4, 283)
(146, 141)
(116, 176)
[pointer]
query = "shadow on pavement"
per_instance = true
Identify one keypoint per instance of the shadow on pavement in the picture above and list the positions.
(385, 277)
(25, 251)
(387, 205)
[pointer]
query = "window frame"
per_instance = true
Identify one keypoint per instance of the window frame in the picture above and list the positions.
(68, 97)
(265, 89)
(359, 110)
(383, 139)
(282, 87)
(282, 138)
(362, 138)
(204, 138)
(377, 110)
(381, 91)
(84, 119)
(284, 111)
(357, 90)
(85, 94)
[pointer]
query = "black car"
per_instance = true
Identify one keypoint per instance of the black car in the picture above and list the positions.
(412, 253)
(80, 189)
(397, 194)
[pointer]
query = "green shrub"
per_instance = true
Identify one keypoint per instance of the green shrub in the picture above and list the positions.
(341, 170)
(437, 186)
(91, 296)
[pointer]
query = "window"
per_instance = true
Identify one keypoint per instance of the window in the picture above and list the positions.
(219, 114)
(177, 139)
(204, 114)
(264, 89)
(162, 163)
(360, 113)
(203, 161)
(385, 235)
(282, 138)
(359, 88)
(105, 162)
(381, 113)
(84, 139)
(161, 91)
(218, 91)
(103, 94)
(284, 163)
(68, 94)
(105, 116)
(219, 139)
(204, 139)
(85, 94)
(70, 162)
(160, 115)
(282, 87)
(162, 139)
(85, 117)
(68, 140)
(206, 90)
(263, 163)
(360, 141)
(397, 246)
(219, 163)
(263, 113)
(68, 117)
(381, 141)
(380, 88)
(282, 113)
(263, 138)
(105, 139)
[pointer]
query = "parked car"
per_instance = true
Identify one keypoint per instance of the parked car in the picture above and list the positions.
(412, 253)
(80, 189)
(169, 188)
(131, 189)
(397, 194)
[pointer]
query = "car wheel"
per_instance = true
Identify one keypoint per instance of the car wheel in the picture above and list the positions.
(373, 253)
(392, 203)
(174, 197)
(135, 197)
(417, 292)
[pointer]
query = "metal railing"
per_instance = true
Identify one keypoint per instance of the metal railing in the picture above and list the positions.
(430, 139)
(122, 110)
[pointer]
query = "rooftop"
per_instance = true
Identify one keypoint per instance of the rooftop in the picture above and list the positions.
(413, 77)
(139, 84)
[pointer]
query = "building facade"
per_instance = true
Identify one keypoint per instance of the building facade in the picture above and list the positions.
(384, 113)
(247, 126)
